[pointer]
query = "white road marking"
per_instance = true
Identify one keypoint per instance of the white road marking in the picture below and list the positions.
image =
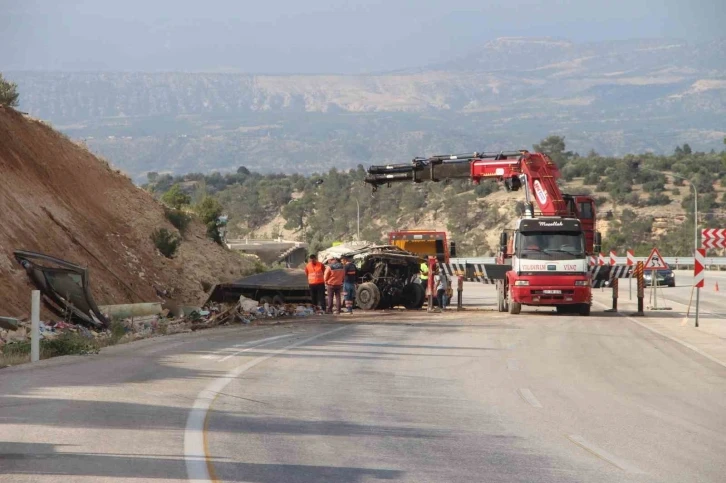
(674, 339)
(255, 344)
(529, 397)
(602, 454)
(198, 465)
(512, 364)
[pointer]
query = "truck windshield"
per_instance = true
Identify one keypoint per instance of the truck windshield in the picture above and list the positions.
(551, 245)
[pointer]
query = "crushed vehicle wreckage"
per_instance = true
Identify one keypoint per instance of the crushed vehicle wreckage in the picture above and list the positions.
(65, 287)
(387, 278)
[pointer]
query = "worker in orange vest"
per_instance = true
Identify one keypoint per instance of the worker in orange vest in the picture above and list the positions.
(316, 281)
(334, 275)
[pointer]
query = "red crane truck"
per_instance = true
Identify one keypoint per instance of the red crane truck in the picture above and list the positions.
(546, 255)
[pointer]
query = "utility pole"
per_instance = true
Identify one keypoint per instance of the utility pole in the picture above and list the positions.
(358, 225)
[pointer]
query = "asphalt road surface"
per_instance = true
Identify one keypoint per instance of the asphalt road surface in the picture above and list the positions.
(481, 397)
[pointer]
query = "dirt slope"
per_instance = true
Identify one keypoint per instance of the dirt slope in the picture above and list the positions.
(57, 198)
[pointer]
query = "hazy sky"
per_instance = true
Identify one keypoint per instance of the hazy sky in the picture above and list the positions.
(316, 36)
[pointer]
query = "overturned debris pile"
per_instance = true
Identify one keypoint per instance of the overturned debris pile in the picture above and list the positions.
(246, 311)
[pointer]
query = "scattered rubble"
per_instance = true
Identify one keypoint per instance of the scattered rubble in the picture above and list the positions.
(245, 311)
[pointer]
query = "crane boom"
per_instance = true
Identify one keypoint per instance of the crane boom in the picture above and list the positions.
(536, 171)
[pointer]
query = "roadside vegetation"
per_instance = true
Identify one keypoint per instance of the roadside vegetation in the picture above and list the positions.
(65, 344)
(8, 93)
(641, 200)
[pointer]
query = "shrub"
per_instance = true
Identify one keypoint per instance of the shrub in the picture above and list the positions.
(676, 191)
(165, 241)
(69, 343)
(655, 186)
(8, 93)
(175, 198)
(592, 179)
(178, 218)
(601, 186)
(209, 210)
(656, 199)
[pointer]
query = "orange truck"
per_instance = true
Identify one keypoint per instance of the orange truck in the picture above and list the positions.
(424, 243)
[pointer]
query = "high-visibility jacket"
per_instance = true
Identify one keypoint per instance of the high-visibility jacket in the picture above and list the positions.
(424, 271)
(315, 272)
(334, 274)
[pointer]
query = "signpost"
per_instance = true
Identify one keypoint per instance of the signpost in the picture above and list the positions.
(655, 262)
(714, 237)
(710, 238)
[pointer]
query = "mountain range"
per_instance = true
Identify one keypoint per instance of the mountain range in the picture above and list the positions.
(615, 97)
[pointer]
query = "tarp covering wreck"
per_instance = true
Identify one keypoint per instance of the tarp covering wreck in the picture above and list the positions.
(286, 279)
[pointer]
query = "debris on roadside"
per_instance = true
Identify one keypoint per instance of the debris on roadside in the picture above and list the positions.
(244, 312)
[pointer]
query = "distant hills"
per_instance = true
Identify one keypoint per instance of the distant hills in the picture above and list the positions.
(613, 97)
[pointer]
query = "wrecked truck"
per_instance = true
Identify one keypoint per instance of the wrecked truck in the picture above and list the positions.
(388, 277)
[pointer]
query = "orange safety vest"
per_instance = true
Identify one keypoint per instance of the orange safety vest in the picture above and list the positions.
(315, 271)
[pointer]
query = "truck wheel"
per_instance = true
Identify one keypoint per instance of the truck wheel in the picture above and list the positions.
(585, 309)
(278, 300)
(413, 296)
(514, 307)
(562, 309)
(368, 296)
(266, 300)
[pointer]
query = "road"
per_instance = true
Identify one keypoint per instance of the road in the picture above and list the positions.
(471, 397)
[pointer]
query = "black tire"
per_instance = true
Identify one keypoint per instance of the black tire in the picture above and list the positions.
(413, 296)
(562, 309)
(278, 300)
(514, 307)
(585, 310)
(368, 296)
(266, 300)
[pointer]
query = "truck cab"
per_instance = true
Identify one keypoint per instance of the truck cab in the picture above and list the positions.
(548, 259)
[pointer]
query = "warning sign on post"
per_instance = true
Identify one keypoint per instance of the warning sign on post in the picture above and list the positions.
(655, 261)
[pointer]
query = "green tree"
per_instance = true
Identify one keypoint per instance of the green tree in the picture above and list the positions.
(175, 198)
(209, 210)
(554, 147)
(8, 93)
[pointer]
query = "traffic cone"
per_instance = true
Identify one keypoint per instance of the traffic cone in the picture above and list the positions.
(715, 289)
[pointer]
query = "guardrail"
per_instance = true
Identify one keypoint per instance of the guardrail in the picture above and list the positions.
(676, 261)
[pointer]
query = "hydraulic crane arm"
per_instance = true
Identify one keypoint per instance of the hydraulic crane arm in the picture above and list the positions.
(535, 170)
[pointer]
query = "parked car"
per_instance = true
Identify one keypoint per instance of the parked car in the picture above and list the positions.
(662, 277)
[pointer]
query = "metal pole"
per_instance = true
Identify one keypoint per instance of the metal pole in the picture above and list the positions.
(35, 326)
(697, 240)
(358, 230)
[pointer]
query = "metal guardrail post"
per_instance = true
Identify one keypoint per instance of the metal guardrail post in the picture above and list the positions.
(615, 294)
(35, 326)
(638, 272)
(459, 292)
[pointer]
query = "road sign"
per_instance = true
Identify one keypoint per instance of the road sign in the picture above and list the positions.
(714, 237)
(601, 259)
(631, 258)
(613, 259)
(592, 261)
(699, 275)
(655, 261)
